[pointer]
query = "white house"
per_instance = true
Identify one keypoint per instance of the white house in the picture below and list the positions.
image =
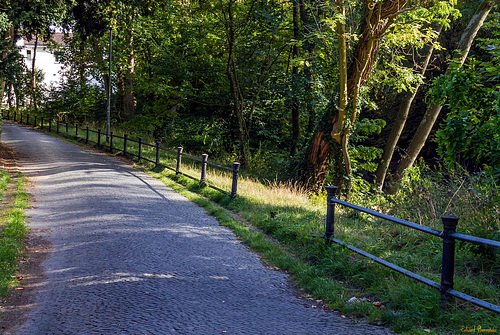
(45, 60)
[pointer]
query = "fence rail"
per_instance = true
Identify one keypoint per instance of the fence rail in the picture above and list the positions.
(448, 259)
(110, 140)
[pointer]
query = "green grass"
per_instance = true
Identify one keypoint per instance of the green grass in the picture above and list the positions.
(12, 232)
(334, 274)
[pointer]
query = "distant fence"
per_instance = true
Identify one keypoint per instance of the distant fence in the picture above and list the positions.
(85, 134)
(449, 235)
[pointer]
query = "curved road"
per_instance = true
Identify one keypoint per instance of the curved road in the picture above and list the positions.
(130, 256)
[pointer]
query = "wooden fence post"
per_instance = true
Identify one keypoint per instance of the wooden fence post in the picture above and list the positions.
(140, 149)
(448, 263)
(331, 192)
(204, 159)
(234, 186)
(111, 142)
(157, 153)
(179, 158)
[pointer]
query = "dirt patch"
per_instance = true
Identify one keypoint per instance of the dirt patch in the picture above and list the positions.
(15, 307)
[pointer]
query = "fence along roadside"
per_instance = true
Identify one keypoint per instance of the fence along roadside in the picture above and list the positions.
(449, 235)
(141, 144)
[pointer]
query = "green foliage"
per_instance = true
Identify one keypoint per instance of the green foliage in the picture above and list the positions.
(363, 156)
(470, 131)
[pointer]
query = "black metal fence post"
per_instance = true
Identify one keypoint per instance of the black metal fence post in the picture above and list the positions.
(57, 127)
(15, 116)
(179, 158)
(331, 192)
(448, 265)
(76, 130)
(28, 119)
(21, 118)
(8, 115)
(98, 137)
(125, 137)
(234, 187)
(34, 123)
(111, 142)
(204, 159)
(67, 127)
(140, 149)
(157, 153)
(50, 126)
(87, 136)
(41, 123)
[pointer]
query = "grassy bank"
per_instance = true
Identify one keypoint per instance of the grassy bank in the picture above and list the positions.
(12, 229)
(333, 274)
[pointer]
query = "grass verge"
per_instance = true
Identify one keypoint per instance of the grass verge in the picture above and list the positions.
(12, 231)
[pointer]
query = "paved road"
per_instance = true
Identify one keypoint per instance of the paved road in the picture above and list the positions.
(130, 256)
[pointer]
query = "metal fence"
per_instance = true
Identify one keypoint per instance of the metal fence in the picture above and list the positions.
(109, 143)
(448, 235)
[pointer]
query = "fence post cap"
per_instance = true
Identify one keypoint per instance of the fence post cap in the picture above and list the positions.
(450, 221)
(331, 189)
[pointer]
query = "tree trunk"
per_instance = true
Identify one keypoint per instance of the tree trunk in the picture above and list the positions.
(379, 17)
(433, 110)
(8, 39)
(400, 121)
(33, 77)
(238, 99)
(129, 102)
(295, 72)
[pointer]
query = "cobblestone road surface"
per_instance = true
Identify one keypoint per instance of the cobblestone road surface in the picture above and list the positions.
(130, 256)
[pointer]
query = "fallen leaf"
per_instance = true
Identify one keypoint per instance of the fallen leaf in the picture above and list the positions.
(19, 277)
(427, 330)
(19, 288)
(377, 304)
(343, 316)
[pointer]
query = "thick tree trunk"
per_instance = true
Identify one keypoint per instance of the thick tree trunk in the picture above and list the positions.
(425, 127)
(401, 118)
(379, 17)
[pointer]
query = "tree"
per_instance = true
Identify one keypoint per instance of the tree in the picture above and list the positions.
(332, 136)
(438, 17)
(434, 109)
(470, 130)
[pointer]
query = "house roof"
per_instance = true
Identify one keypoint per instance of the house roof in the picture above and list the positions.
(57, 37)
